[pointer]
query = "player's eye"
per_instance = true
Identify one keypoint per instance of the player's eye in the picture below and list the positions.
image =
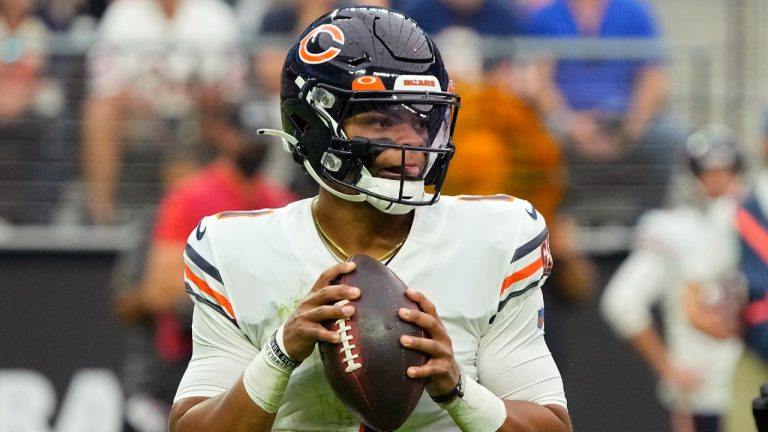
(375, 121)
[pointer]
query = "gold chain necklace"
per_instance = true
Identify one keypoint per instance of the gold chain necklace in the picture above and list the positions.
(337, 250)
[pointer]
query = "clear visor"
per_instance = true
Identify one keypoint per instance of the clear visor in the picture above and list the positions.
(408, 122)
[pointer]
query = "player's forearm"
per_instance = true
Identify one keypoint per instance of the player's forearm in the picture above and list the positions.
(250, 404)
(232, 411)
(650, 346)
(648, 96)
(161, 289)
(524, 416)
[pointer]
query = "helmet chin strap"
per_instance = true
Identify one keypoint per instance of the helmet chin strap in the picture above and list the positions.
(358, 197)
(412, 189)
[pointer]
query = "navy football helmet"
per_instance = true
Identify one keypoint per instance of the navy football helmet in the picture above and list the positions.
(367, 59)
(713, 146)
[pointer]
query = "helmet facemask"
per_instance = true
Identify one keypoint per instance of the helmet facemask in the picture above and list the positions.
(346, 160)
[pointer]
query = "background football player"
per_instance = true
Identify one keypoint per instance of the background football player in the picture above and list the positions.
(684, 260)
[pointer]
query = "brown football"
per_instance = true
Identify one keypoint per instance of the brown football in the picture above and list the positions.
(367, 370)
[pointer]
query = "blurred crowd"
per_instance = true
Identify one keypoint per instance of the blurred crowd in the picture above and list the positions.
(107, 104)
(145, 112)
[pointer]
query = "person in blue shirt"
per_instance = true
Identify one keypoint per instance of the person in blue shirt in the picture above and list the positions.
(487, 17)
(608, 109)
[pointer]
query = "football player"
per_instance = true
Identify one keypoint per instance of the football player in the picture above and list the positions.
(368, 110)
(684, 260)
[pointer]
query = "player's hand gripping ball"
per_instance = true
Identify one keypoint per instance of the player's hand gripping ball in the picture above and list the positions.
(367, 369)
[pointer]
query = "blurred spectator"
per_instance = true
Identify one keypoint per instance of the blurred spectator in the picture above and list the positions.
(250, 14)
(609, 112)
(528, 7)
(684, 260)
(68, 15)
(152, 300)
(289, 18)
(264, 104)
(486, 17)
(30, 150)
(154, 90)
(292, 17)
(752, 227)
(501, 144)
(503, 147)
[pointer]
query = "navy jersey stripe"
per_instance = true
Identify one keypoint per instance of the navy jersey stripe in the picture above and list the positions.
(202, 263)
(530, 246)
(518, 293)
(213, 305)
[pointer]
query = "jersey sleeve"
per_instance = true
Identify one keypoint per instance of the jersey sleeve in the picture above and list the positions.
(531, 260)
(513, 359)
(202, 278)
(639, 281)
(656, 232)
(220, 354)
(220, 350)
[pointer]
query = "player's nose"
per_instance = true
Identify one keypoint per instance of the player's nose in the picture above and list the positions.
(408, 134)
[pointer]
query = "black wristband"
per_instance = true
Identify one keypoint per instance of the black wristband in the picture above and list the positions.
(278, 357)
(457, 391)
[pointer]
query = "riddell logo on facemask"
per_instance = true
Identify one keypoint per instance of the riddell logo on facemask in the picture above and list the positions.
(417, 82)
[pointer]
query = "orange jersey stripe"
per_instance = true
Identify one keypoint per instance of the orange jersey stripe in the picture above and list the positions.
(208, 290)
(242, 213)
(521, 274)
(757, 312)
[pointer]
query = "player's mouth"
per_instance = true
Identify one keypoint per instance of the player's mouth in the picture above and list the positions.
(412, 172)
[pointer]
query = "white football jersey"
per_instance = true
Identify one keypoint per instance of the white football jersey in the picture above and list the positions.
(480, 260)
(674, 248)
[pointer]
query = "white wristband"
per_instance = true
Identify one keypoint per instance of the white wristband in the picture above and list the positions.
(478, 410)
(266, 377)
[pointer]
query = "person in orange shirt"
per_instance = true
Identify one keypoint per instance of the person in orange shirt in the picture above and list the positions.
(503, 146)
(153, 304)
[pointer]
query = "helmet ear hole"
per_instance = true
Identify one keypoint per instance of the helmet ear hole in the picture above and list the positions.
(298, 123)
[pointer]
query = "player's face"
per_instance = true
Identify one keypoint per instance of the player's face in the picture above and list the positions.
(717, 182)
(397, 125)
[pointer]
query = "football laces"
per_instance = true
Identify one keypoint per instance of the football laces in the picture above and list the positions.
(346, 342)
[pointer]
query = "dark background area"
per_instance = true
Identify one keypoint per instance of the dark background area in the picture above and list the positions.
(57, 320)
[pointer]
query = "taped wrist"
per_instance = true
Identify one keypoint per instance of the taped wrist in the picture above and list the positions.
(266, 378)
(478, 410)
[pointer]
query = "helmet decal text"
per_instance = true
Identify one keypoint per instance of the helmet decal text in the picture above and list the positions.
(326, 55)
(417, 83)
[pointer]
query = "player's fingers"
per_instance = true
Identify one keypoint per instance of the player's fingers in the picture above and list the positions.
(430, 369)
(431, 324)
(431, 347)
(332, 293)
(319, 333)
(332, 273)
(420, 299)
(336, 311)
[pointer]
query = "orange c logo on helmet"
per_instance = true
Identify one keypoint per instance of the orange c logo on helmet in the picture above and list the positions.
(326, 55)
